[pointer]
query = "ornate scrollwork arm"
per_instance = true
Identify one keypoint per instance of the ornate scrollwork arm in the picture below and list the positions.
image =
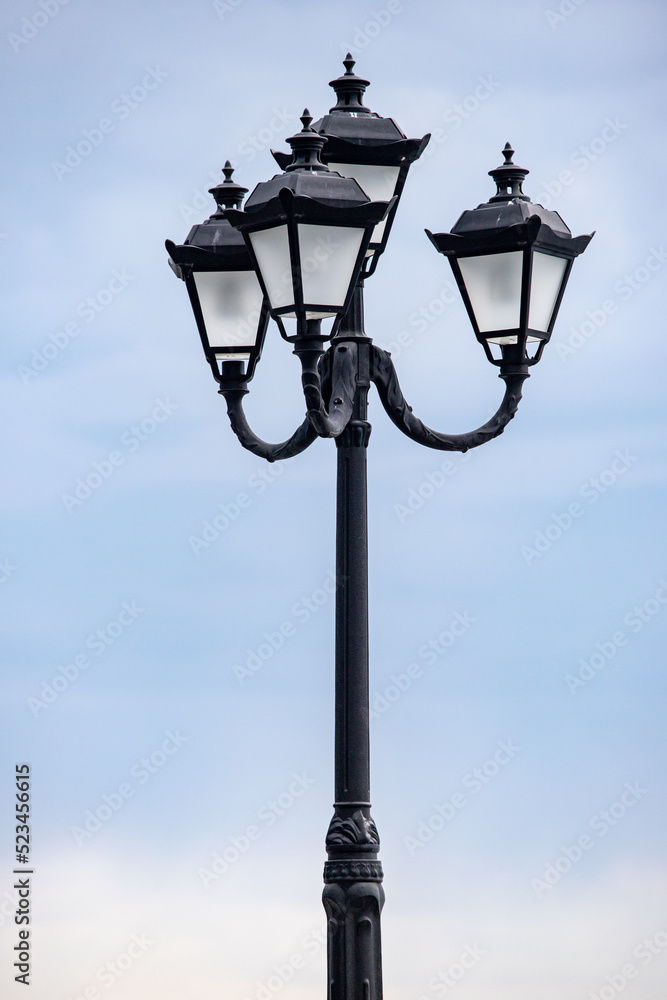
(384, 375)
(329, 421)
(327, 378)
(302, 438)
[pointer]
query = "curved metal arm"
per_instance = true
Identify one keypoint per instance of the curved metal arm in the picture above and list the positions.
(330, 376)
(302, 438)
(384, 375)
(343, 379)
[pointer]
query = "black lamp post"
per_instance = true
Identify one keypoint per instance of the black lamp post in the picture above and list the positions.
(312, 235)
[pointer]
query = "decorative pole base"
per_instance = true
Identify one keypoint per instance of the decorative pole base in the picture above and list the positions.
(353, 898)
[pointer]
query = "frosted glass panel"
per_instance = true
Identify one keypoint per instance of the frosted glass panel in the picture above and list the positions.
(271, 248)
(379, 183)
(493, 283)
(231, 303)
(548, 274)
(328, 255)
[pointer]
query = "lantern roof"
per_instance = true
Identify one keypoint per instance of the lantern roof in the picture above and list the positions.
(210, 241)
(509, 206)
(354, 131)
(510, 218)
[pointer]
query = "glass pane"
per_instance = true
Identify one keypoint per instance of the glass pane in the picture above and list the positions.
(379, 183)
(493, 283)
(230, 302)
(328, 255)
(271, 248)
(548, 274)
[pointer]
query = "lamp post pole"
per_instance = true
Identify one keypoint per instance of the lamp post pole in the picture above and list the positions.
(301, 251)
(353, 894)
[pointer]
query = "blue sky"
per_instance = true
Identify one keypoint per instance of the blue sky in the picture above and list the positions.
(517, 768)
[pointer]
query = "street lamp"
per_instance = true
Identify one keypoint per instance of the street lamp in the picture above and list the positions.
(511, 260)
(371, 149)
(226, 296)
(307, 231)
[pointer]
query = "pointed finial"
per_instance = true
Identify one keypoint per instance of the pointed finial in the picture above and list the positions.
(306, 146)
(228, 194)
(350, 90)
(509, 177)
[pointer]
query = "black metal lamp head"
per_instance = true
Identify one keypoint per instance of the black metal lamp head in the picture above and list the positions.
(307, 231)
(226, 297)
(511, 260)
(363, 145)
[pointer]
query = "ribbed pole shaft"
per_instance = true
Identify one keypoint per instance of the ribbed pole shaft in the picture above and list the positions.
(352, 755)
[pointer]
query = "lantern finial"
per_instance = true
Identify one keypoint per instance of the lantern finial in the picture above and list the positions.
(350, 90)
(228, 194)
(306, 147)
(509, 178)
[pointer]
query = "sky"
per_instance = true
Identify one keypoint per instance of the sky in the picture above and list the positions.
(167, 597)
